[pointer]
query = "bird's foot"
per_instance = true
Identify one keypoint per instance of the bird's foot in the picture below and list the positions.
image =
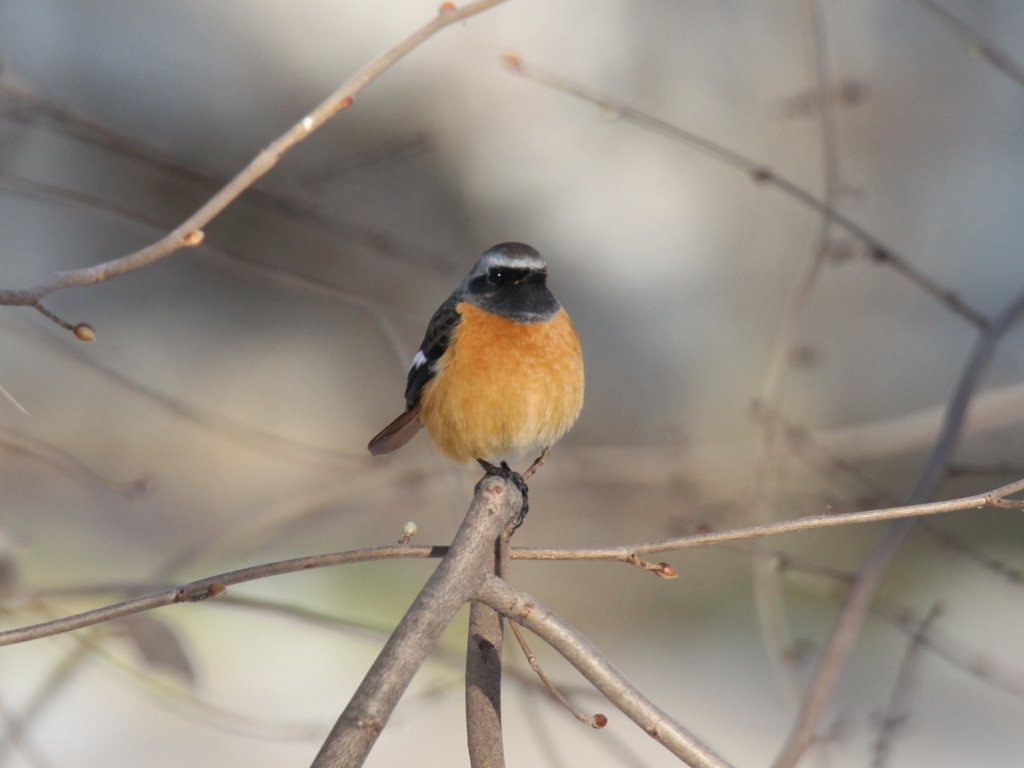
(507, 473)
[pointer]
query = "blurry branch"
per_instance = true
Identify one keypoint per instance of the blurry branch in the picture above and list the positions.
(958, 655)
(768, 595)
(897, 712)
(403, 147)
(63, 462)
(957, 544)
(541, 730)
(189, 232)
(184, 703)
(995, 408)
(212, 586)
(761, 174)
(226, 259)
(995, 56)
(975, 664)
(38, 111)
(31, 753)
(869, 577)
(52, 685)
(578, 651)
(496, 504)
(225, 427)
(996, 468)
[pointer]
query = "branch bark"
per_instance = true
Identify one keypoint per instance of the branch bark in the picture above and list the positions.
(483, 687)
(581, 653)
(496, 503)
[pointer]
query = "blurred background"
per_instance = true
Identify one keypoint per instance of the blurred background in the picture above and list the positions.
(221, 418)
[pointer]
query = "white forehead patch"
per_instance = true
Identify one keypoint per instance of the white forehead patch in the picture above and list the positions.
(513, 256)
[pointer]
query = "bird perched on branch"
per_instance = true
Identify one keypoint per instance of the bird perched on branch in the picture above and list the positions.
(500, 370)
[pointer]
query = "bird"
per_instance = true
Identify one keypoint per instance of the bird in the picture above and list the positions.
(500, 369)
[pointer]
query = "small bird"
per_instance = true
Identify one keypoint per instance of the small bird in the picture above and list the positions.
(500, 370)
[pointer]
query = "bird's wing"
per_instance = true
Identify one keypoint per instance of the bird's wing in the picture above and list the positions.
(435, 342)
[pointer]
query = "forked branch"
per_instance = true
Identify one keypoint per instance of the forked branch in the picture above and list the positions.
(212, 586)
(496, 504)
(581, 653)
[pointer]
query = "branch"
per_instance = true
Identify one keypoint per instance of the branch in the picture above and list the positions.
(578, 651)
(761, 174)
(483, 675)
(196, 591)
(211, 586)
(995, 498)
(453, 583)
(870, 575)
(190, 231)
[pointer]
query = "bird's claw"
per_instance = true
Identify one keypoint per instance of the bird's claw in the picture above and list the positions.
(507, 473)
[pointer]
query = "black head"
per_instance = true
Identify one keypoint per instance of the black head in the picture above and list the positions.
(510, 280)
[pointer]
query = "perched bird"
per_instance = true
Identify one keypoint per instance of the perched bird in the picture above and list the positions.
(500, 370)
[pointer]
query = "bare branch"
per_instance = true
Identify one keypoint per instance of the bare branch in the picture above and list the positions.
(870, 575)
(212, 586)
(189, 232)
(202, 589)
(762, 174)
(578, 651)
(598, 721)
(496, 504)
(626, 552)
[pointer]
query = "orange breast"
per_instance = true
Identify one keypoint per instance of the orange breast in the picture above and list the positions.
(504, 388)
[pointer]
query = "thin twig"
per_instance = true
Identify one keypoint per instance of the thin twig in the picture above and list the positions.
(578, 651)
(496, 503)
(870, 575)
(623, 553)
(212, 586)
(202, 589)
(189, 231)
(598, 721)
(877, 250)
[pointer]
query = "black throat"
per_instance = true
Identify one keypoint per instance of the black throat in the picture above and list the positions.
(520, 295)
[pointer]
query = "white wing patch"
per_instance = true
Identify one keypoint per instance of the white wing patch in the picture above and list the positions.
(419, 360)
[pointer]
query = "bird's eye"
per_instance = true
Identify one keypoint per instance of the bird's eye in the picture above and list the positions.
(495, 275)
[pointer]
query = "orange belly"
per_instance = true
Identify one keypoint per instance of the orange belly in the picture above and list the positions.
(504, 388)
